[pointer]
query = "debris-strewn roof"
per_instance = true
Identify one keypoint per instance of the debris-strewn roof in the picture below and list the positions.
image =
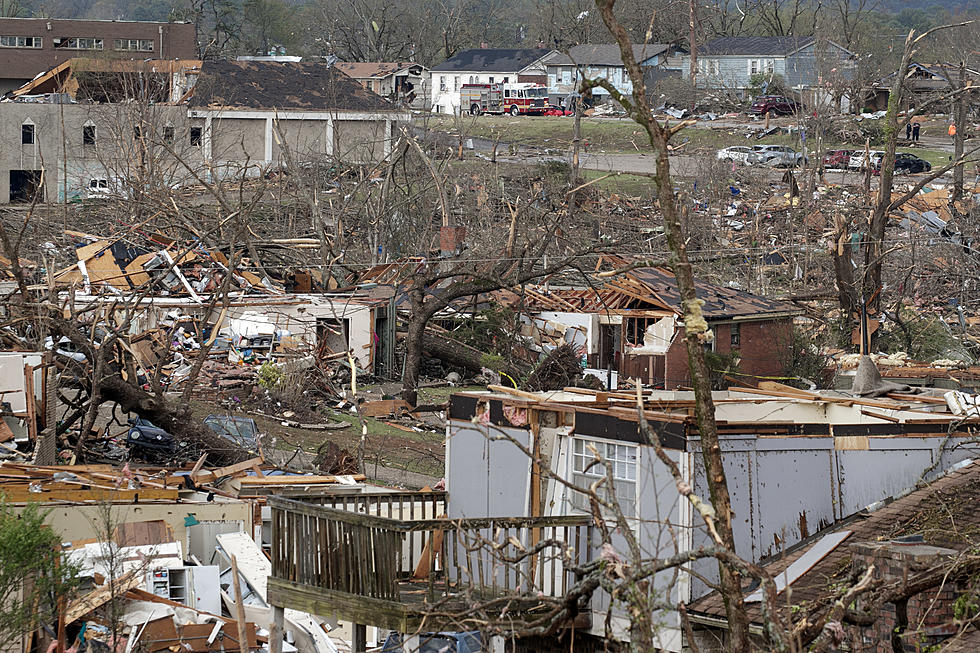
(605, 54)
(719, 301)
(306, 86)
(365, 69)
(944, 513)
(656, 288)
(755, 45)
(491, 60)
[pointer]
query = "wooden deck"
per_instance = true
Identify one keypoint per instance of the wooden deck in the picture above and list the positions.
(390, 571)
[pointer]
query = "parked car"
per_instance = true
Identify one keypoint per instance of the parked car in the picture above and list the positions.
(779, 156)
(466, 642)
(837, 159)
(859, 161)
(905, 162)
(773, 104)
(738, 154)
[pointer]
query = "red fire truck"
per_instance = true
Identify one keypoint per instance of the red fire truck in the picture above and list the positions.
(515, 99)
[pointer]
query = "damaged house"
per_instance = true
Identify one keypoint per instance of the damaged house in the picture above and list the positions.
(797, 462)
(92, 128)
(631, 326)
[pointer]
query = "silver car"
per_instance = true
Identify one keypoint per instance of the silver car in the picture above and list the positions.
(779, 156)
(738, 154)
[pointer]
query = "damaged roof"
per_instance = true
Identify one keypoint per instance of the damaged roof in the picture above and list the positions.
(300, 85)
(492, 60)
(375, 69)
(943, 512)
(656, 287)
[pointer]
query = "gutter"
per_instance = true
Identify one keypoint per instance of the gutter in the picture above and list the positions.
(720, 622)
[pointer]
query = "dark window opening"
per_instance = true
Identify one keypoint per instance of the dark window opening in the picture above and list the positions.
(197, 135)
(88, 135)
(27, 134)
(137, 133)
(168, 134)
(736, 335)
(25, 185)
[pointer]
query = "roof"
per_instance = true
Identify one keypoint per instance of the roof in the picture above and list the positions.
(491, 60)
(62, 78)
(755, 45)
(365, 69)
(943, 512)
(306, 86)
(657, 287)
(605, 54)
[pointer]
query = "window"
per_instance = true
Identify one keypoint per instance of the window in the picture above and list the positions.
(708, 66)
(20, 41)
(168, 134)
(491, 80)
(88, 135)
(455, 82)
(197, 135)
(505, 80)
(442, 83)
(759, 66)
(27, 134)
(622, 457)
(736, 330)
(80, 44)
(135, 45)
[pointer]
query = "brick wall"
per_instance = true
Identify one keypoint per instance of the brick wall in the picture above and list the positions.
(928, 616)
(764, 348)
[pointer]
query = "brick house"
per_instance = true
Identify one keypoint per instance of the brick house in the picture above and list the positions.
(912, 541)
(29, 46)
(632, 326)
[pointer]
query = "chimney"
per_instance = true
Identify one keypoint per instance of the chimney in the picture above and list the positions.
(898, 560)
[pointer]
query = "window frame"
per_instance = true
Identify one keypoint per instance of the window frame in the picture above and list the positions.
(25, 129)
(625, 458)
(735, 331)
(73, 43)
(117, 45)
(90, 135)
(196, 135)
(37, 41)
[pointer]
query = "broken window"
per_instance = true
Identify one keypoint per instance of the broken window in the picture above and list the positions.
(27, 133)
(197, 135)
(736, 335)
(88, 135)
(25, 185)
(20, 42)
(168, 134)
(622, 459)
(80, 44)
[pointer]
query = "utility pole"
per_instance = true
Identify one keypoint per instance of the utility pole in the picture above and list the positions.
(693, 21)
(960, 122)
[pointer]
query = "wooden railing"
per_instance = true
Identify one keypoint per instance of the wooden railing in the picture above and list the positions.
(393, 505)
(372, 556)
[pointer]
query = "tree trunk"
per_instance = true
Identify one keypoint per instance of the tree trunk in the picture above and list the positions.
(696, 334)
(413, 351)
(875, 252)
(177, 421)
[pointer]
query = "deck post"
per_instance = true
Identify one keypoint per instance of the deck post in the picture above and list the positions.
(358, 642)
(275, 632)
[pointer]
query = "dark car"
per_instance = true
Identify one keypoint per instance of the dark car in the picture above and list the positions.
(145, 437)
(466, 642)
(773, 104)
(905, 162)
(837, 159)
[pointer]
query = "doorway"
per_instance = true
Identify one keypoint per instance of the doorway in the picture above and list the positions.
(24, 185)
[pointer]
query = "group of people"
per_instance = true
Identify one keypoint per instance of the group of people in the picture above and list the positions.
(912, 130)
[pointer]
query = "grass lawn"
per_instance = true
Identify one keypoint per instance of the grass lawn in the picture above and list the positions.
(620, 135)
